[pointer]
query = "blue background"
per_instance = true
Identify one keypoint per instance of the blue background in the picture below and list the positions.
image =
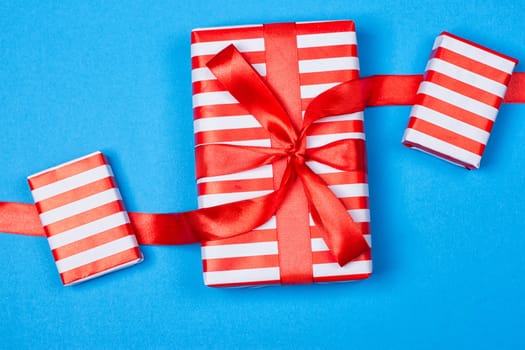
(110, 76)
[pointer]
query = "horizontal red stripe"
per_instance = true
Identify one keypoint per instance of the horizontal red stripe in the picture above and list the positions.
(326, 257)
(355, 202)
(446, 135)
(246, 262)
(325, 27)
(235, 186)
(254, 57)
(455, 112)
(336, 127)
(342, 278)
(75, 194)
(207, 86)
(309, 53)
(66, 171)
(84, 218)
(92, 241)
(231, 135)
(472, 65)
(255, 236)
(438, 154)
(219, 110)
(480, 47)
(222, 34)
(464, 89)
(345, 177)
(316, 232)
(336, 76)
(244, 284)
(99, 266)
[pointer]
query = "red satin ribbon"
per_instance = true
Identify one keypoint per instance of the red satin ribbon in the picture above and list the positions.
(179, 228)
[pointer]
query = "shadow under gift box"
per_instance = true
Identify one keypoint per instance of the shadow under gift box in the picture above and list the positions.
(84, 219)
(326, 55)
(458, 100)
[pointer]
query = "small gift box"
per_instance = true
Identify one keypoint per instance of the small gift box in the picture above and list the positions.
(298, 61)
(84, 219)
(458, 100)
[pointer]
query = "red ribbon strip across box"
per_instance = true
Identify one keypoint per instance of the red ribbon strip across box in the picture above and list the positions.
(458, 100)
(84, 219)
(298, 61)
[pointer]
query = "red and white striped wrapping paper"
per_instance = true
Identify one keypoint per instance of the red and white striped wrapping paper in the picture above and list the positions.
(327, 53)
(458, 100)
(84, 219)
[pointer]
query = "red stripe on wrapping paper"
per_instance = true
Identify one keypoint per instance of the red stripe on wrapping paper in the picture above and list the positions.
(325, 257)
(84, 218)
(235, 186)
(336, 127)
(455, 112)
(92, 241)
(240, 263)
(231, 135)
(255, 236)
(66, 170)
(472, 65)
(207, 86)
(308, 53)
(243, 284)
(355, 202)
(352, 177)
(109, 262)
(76, 194)
(253, 57)
(324, 27)
(464, 88)
(231, 33)
(447, 157)
(225, 110)
(318, 232)
(328, 77)
(341, 278)
(446, 135)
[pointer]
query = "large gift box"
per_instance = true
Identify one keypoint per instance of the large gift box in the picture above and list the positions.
(298, 61)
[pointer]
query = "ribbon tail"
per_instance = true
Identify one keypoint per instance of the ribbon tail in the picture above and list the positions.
(343, 236)
(21, 218)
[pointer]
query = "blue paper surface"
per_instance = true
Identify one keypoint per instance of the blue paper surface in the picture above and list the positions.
(116, 77)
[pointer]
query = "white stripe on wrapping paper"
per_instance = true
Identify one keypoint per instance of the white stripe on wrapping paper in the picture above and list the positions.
(211, 200)
(333, 269)
(225, 123)
(268, 225)
(87, 230)
(358, 215)
(321, 140)
(342, 117)
(457, 99)
(213, 98)
(310, 91)
(350, 190)
(239, 250)
(449, 123)
(442, 147)
(242, 276)
(213, 47)
(328, 64)
(320, 168)
(97, 253)
(466, 76)
(319, 245)
(326, 39)
(264, 171)
(474, 53)
(259, 143)
(79, 206)
(81, 179)
(200, 74)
